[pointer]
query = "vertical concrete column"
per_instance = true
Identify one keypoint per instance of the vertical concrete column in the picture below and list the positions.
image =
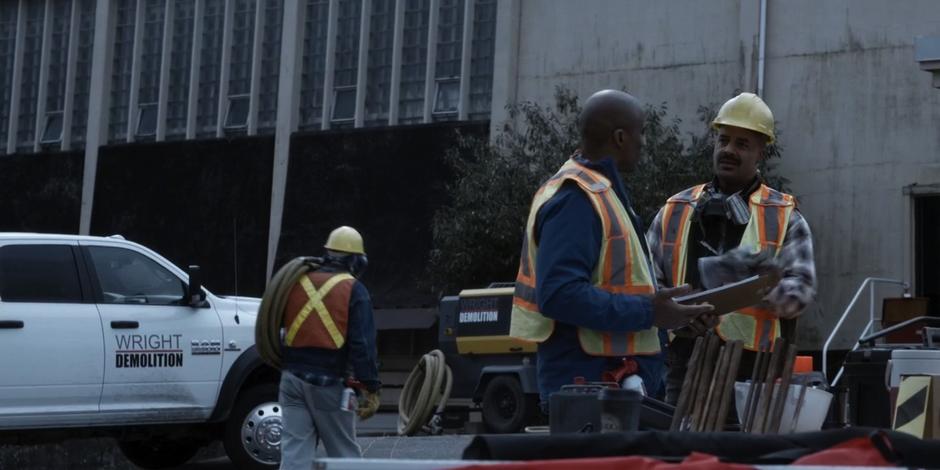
(43, 84)
(68, 107)
(288, 115)
(99, 98)
(505, 61)
(429, 82)
(137, 58)
(397, 39)
(255, 89)
(362, 75)
(463, 106)
(329, 65)
(165, 59)
(17, 76)
(199, 9)
(226, 65)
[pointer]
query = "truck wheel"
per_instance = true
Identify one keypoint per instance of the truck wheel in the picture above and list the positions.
(505, 407)
(253, 430)
(158, 452)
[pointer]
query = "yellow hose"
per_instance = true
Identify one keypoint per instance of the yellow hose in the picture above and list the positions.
(271, 310)
(423, 394)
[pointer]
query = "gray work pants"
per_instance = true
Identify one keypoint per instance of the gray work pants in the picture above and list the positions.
(313, 413)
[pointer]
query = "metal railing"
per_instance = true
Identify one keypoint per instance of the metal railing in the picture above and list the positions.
(869, 328)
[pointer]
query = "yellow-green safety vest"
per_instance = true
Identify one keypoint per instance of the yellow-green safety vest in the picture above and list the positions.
(622, 268)
(770, 210)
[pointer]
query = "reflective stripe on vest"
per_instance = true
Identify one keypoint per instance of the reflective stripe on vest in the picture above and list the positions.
(622, 268)
(315, 302)
(770, 213)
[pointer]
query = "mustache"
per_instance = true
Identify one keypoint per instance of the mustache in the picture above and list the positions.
(729, 158)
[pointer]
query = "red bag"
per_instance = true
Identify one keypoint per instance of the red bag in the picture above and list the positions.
(858, 452)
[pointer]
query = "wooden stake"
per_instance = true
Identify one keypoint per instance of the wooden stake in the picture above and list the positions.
(753, 392)
(701, 393)
(780, 400)
(709, 408)
(763, 406)
(692, 368)
(686, 417)
(799, 407)
(727, 395)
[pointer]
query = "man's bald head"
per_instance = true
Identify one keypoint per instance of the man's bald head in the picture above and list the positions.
(611, 126)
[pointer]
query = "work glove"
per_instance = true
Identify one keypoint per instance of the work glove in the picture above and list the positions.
(368, 405)
(782, 303)
(735, 265)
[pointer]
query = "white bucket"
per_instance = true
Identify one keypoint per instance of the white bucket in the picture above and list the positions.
(812, 414)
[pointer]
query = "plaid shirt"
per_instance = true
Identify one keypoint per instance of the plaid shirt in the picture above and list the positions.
(796, 289)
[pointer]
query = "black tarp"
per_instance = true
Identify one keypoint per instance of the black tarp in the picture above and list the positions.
(387, 183)
(195, 202)
(41, 192)
(729, 447)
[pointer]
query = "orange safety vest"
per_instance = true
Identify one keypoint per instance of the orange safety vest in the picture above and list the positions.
(317, 311)
(770, 210)
(622, 268)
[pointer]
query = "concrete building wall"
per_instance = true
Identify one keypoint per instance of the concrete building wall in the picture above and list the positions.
(684, 52)
(859, 119)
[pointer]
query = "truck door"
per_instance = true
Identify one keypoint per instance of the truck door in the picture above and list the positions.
(161, 354)
(51, 348)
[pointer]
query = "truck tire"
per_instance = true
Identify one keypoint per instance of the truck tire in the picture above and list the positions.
(253, 430)
(506, 408)
(158, 452)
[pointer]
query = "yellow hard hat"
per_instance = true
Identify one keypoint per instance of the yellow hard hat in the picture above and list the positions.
(345, 239)
(747, 111)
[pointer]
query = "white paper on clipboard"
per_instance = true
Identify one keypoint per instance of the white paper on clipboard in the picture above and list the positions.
(734, 296)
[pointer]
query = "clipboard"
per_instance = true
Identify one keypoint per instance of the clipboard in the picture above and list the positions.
(734, 296)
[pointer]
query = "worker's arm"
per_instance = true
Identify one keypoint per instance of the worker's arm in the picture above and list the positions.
(569, 234)
(654, 240)
(797, 288)
(360, 336)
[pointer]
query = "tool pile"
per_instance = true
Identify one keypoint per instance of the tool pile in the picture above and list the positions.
(708, 387)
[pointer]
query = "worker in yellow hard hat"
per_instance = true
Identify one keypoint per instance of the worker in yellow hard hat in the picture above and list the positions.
(735, 212)
(328, 331)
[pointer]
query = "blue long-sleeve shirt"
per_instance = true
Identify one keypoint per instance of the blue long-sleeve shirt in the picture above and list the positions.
(569, 235)
(357, 355)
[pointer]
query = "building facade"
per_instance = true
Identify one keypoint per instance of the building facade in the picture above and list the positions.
(86, 80)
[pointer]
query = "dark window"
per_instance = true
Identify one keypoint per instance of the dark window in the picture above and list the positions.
(447, 96)
(52, 131)
(128, 277)
(237, 115)
(147, 119)
(927, 250)
(39, 273)
(344, 107)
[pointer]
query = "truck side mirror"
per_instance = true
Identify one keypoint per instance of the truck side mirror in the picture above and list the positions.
(195, 296)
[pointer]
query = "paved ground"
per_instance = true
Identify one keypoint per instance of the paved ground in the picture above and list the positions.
(389, 447)
(103, 454)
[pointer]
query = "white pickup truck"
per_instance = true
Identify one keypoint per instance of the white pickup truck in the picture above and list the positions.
(102, 336)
